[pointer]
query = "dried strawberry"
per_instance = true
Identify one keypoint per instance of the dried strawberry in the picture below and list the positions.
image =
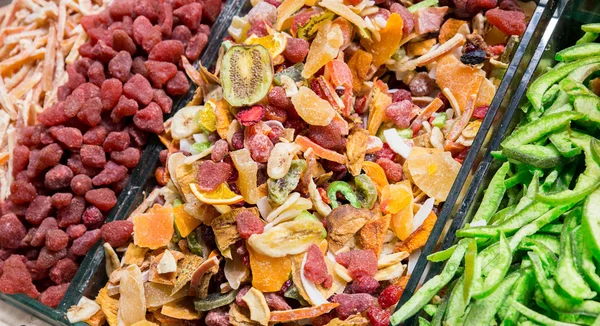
(251, 116)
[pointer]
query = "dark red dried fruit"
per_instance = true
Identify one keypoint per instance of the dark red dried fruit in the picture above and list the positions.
(182, 34)
(163, 100)
(159, 72)
(69, 136)
(80, 184)
(102, 198)
(110, 92)
(76, 230)
(390, 296)
(275, 113)
(315, 268)
(407, 17)
(92, 217)
(351, 304)
(211, 175)
(96, 73)
(61, 199)
(251, 116)
(359, 262)
(364, 284)
(117, 233)
(112, 173)
(150, 119)
(329, 136)
(122, 42)
(124, 108)
(63, 271)
(378, 316)
(481, 112)
(421, 84)
(38, 210)
(139, 137)
(90, 112)
(195, 45)
(12, 231)
(260, 147)
(47, 258)
(508, 22)
(276, 301)
(29, 135)
(277, 97)
(116, 141)
(178, 85)
(120, 65)
(139, 89)
(53, 295)
(128, 157)
(56, 240)
(146, 8)
(22, 192)
(400, 113)
(84, 243)
(138, 67)
(103, 52)
(165, 19)
(20, 159)
(401, 95)
(190, 15)
(16, 278)
(248, 224)
(210, 10)
(73, 103)
(53, 115)
(71, 214)
(39, 237)
(393, 170)
(120, 8)
(168, 50)
(93, 156)
(220, 150)
(296, 49)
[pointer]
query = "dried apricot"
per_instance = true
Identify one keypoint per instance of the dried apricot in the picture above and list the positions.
(153, 229)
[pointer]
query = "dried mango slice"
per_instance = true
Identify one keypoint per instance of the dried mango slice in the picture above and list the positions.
(487, 90)
(379, 102)
(109, 305)
(450, 28)
(246, 74)
(158, 295)
(311, 108)
(134, 255)
(153, 229)
(132, 302)
(283, 316)
(462, 80)
(376, 173)
(418, 238)
(288, 238)
(184, 222)
(269, 273)
(324, 48)
(420, 48)
(359, 65)
(224, 118)
(386, 46)
(181, 309)
(220, 196)
(395, 197)
(247, 170)
(433, 171)
(285, 11)
(402, 222)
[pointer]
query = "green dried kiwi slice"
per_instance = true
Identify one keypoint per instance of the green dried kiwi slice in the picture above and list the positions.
(310, 28)
(246, 74)
(214, 301)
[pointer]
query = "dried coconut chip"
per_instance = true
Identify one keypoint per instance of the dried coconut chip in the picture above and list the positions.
(259, 311)
(132, 302)
(84, 310)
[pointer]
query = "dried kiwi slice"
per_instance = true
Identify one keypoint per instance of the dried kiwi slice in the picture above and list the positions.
(246, 74)
(214, 300)
(310, 28)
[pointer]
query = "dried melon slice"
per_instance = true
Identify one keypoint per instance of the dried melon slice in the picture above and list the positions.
(246, 74)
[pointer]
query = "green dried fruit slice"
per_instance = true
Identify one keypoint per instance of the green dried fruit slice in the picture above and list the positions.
(215, 300)
(310, 28)
(246, 74)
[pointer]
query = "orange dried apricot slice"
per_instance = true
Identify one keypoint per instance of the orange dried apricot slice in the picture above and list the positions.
(450, 28)
(391, 35)
(462, 80)
(184, 222)
(376, 173)
(153, 229)
(487, 90)
(269, 273)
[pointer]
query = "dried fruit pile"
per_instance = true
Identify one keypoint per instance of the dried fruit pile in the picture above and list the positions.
(309, 166)
(70, 167)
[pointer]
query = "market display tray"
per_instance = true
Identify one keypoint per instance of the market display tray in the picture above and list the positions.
(557, 26)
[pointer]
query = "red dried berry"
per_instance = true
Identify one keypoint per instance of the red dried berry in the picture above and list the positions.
(74, 102)
(112, 173)
(182, 34)
(103, 52)
(248, 224)
(69, 136)
(178, 85)
(92, 217)
(190, 15)
(47, 258)
(80, 184)
(480, 112)
(163, 100)
(508, 22)
(71, 214)
(63, 271)
(195, 45)
(150, 119)
(56, 240)
(159, 72)
(329, 136)
(220, 150)
(401, 95)
(20, 159)
(53, 295)
(110, 93)
(407, 17)
(296, 49)
(39, 236)
(359, 262)
(122, 42)
(38, 210)
(165, 19)
(315, 268)
(93, 156)
(53, 115)
(211, 175)
(378, 316)
(61, 199)
(147, 9)
(390, 296)
(22, 192)
(90, 112)
(139, 89)
(120, 65)
(138, 67)
(168, 51)
(120, 8)
(364, 284)
(351, 304)
(128, 157)
(16, 278)
(393, 170)
(102, 198)
(116, 141)
(96, 73)
(251, 116)
(76, 230)
(260, 147)
(84, 243)
(12, 231)
(117, 233)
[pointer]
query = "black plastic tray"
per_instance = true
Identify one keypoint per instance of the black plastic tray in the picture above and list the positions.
(90, 276)
(558, 28)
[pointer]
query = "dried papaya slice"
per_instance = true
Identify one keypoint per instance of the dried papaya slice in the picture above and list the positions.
(153, 229)
(269, 273)
(184, 222)
(391, 35)
(283, 316)
(246, 74)
(376, 173)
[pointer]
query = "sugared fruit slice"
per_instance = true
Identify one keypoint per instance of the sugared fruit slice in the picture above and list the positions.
(246, 74)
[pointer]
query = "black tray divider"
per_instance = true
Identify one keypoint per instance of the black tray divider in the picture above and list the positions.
(473, 155)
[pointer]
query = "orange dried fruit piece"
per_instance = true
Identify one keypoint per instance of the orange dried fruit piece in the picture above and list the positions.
(153, 229)
(145, 323)
(275, 44)
(450, 28)
(109, 305)
(134, 255)
(420, 48)
(376, 173)
(305, 143)
(379, 102)
(462, 80)
(391, 35)
(395, 197)
(220, 196)
(417, 239)
(182, 309)
(324, 48)
(184, 222)
(433, 171)
(487, 90)
(311, 108)
(359, 65)
(247, 170)
(269, 273)
(283, 316)
(402, 222)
